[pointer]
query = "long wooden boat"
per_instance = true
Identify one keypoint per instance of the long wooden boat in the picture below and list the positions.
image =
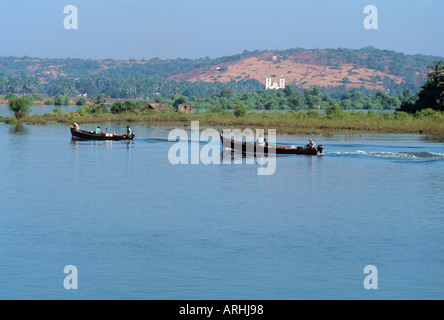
(88, 135)
(248, 147)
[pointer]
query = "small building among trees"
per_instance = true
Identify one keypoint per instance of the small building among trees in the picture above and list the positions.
(269, 85)
(185, 108)
(157, 106)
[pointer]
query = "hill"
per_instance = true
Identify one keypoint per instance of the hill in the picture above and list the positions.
(368, 68)
(303, 70)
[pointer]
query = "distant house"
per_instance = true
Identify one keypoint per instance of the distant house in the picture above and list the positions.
(157, 106)
(269, 85)
(185, 108)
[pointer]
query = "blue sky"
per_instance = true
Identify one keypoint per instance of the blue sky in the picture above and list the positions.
(125, 29)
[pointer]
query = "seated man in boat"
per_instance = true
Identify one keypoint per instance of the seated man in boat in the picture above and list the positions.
(128, 133)
(260, 141)
(97, 130)
(75, 126)
(311, 144)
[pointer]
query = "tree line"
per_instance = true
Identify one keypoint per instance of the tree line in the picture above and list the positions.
(204, 95)
(118, 86)
(243, 96)
(395, 63)
(431, 94)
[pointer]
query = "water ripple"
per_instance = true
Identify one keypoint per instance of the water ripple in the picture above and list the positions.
(421, 156)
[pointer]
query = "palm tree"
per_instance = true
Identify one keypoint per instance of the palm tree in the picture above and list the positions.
(431, 94)
(433, 90)
(436, 71)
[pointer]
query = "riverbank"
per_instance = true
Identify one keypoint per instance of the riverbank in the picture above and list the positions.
(427, 122)
(42, 103)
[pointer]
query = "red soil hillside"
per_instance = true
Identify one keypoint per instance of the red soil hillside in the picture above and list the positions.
(304, 69)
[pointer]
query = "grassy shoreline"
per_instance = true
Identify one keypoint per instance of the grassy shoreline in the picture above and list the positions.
(431, 123)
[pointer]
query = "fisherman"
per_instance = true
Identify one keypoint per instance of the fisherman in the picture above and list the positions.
(128, 133)
(260, 141)
(97, 131)
(76, 126)
(311, 144)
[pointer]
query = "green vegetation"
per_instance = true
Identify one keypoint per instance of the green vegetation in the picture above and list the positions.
(101, 98)
(292, 98)
(20, 107)
(218, 95)
(97, 109)
(11, 96)
(431, 94)
(144, 78)
(39, 97)
(21, 83)
(82, 101)
(60, 100)
(229, 108)
(236, 103)
(240, 109)
(427, 121)
(29, 97)
(82, 68)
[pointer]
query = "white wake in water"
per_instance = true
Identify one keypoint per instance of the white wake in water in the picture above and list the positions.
(394, 155)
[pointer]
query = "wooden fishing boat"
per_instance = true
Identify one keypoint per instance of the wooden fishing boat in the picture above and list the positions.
(89, 135)
(251, 147)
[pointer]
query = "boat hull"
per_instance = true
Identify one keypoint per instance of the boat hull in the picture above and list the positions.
(86, 135)
(252, 148)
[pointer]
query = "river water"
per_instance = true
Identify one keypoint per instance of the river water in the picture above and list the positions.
(137, 227)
